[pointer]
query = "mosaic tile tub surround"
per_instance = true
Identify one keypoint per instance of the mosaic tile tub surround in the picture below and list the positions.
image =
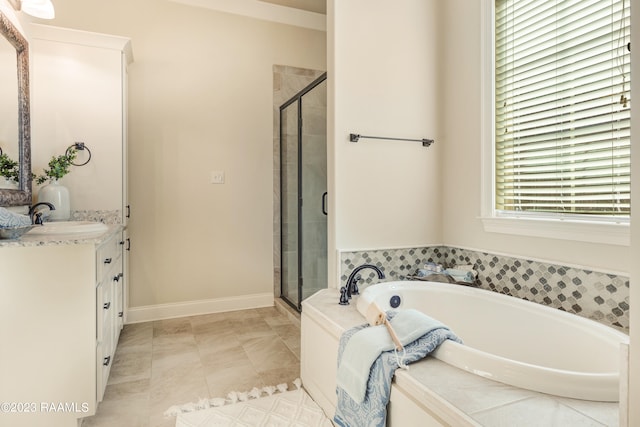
(600, 296)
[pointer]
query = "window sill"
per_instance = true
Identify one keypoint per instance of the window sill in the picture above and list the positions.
(611, 233)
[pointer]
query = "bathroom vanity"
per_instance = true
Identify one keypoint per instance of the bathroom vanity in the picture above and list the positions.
(61, 312)
(63, 296)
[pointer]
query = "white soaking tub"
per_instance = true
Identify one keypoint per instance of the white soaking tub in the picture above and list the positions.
(514, 341)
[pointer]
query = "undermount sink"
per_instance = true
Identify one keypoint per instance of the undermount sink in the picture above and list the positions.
(68, 227)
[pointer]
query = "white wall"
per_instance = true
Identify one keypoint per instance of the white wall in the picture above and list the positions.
(81, 77)
(634, 383)
(460, 134)
(461, 141)
(10, 13)
(382, 59)
(9, 110)
(383, 81)
(415, 71)
(200, 99)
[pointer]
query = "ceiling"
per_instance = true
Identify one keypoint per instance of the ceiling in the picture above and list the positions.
(309, 14)
(318, 6)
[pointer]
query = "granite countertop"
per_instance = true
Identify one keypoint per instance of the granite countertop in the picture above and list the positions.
(476, 400)
(62, 239)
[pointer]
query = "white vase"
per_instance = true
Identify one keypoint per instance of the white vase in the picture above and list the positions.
(58, 195)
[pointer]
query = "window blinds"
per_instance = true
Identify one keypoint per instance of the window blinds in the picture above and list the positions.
(562, 112)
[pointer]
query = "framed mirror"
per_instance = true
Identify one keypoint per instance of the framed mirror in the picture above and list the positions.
(15, 129)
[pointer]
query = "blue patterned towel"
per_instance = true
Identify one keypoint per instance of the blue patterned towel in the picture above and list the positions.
(419, 334)
(365, 346)
(10, 219)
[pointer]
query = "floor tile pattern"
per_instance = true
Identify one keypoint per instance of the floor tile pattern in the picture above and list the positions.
(177, 361)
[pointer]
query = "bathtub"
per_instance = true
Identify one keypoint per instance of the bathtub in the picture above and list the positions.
(514, 341)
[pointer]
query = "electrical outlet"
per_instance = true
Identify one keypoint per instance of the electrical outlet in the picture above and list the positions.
(217, 177)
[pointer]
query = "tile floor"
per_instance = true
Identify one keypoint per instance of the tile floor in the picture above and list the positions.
(171, 362)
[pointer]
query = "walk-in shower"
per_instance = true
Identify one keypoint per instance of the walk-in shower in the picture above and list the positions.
(303, 193)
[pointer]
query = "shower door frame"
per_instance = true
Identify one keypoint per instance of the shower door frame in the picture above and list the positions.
(296, 98)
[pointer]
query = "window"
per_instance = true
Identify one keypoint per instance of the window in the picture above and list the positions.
(557, 77)
(562, 107)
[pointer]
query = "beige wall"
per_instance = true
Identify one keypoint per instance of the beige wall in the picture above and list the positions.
(184, 121)
(200, 99)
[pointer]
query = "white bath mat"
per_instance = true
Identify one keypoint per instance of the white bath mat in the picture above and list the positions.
(291, 408)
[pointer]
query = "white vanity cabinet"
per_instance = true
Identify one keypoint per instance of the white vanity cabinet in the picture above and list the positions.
(109, 307)
(79, 94)
(60, 306)
(79, 90)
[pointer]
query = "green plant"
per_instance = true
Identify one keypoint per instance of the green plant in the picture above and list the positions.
(58, 166)
(9, 168)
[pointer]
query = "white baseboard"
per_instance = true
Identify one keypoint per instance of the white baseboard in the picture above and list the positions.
(149, 313)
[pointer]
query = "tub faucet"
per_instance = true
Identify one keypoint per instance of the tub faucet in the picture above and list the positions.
(354, 278)
(36, 217)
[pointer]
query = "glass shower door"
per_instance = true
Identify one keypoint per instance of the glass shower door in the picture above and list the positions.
(289, 200)
(313, 220)
(303, 191)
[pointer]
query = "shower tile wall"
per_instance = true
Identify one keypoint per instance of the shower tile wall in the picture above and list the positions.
(596, 295)
(287, 81)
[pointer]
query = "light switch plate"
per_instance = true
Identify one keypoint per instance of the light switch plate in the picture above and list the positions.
(217, 177)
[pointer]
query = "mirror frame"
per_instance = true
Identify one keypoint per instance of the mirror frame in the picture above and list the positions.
(22, 196)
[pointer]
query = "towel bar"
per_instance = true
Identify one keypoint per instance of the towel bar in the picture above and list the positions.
(354, 137)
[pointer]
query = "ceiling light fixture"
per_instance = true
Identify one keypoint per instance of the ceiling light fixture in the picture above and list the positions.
(37, 8)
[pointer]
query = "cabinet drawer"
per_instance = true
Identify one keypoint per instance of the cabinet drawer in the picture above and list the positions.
(100, 385)
(107, 255)
(104, 338)
(104, 360)
(99, 313)
(107, 306)
(104, 308)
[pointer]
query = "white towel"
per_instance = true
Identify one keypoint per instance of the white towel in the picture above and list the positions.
(10, 219)
(365, 347)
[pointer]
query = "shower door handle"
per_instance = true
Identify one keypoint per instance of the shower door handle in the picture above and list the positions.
(324, 203)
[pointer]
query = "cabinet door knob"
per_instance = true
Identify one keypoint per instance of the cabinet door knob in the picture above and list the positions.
(120, 314)
(107, 261)
(107, 305)
(106, 361)
(116, 277)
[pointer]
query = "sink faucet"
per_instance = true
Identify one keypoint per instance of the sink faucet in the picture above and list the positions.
(354, 278)
(36, 217)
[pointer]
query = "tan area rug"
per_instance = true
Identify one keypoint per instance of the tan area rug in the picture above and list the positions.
(290, 408)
